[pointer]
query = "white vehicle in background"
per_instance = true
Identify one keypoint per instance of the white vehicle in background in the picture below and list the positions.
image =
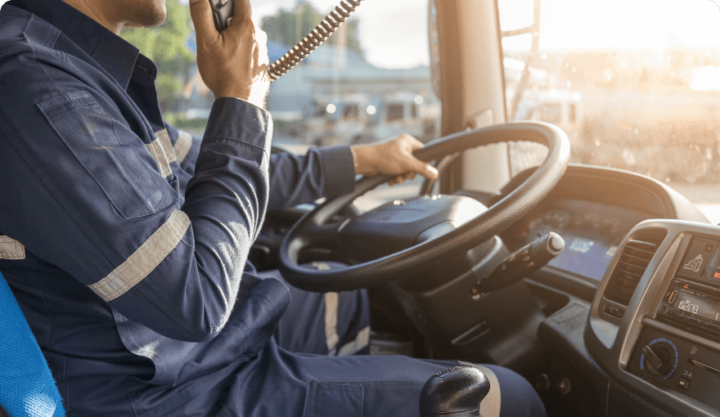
(559, 107)
(357, 118)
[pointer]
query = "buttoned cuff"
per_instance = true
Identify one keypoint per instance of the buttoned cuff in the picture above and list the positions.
(338, 170)
(235, 119)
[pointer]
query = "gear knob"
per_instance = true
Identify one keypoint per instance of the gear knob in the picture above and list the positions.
(454, 392)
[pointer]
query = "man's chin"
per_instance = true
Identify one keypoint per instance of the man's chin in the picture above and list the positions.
(152, 16)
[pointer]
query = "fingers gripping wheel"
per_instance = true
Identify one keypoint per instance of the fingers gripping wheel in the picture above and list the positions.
(454, 392)
(222, 13)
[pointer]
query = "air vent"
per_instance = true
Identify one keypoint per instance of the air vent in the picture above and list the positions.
(633, 262)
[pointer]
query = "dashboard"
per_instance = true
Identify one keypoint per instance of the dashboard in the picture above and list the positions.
(641, 271)
(663, 342)
(593, 209)
(652, 263)
(592, 233)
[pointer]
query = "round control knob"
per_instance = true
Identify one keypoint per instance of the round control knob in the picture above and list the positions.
(659, 358)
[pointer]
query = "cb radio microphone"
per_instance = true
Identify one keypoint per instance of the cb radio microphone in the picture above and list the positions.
(223, 11)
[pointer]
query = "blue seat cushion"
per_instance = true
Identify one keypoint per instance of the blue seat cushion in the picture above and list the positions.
(26, 386)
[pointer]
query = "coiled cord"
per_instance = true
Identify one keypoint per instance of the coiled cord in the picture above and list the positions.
(309, 43)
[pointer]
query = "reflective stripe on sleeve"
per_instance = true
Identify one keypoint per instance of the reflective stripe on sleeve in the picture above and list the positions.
(164, 138)
(145, 259)
(331, 318)
(11, 249)
(183, 145)
(362, 340)
(158, 153)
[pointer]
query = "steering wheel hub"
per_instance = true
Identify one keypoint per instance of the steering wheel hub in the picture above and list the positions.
(401, 224)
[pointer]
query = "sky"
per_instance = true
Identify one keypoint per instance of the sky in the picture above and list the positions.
(615, 24)
(393, 33)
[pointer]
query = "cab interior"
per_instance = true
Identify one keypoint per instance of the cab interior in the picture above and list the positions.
(576, 328)
(594, 328)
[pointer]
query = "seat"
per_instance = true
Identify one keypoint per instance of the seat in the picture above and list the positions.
(27, 387)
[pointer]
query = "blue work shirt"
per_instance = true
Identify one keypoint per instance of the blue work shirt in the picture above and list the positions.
(123, 239)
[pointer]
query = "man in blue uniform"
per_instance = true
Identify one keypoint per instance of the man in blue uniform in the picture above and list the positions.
(125, 241)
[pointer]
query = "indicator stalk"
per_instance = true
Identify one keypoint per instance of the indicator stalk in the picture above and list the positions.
(521, 264)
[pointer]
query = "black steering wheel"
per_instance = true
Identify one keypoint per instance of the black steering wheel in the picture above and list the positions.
(401, 239)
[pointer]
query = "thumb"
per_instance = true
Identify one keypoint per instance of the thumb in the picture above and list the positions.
(204, 22)
(242, 18)
(425, 169)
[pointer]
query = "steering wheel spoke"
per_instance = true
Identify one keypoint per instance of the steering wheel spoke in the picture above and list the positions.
(320, 242)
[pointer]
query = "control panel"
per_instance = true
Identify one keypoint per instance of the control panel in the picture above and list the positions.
(692, 306)
(665, 348)
(691, 303)
(671, 362)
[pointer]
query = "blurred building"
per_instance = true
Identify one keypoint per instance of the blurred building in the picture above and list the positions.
(328, 72)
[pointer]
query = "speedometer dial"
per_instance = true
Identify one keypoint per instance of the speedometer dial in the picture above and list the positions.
(556, 219)
(552, 221)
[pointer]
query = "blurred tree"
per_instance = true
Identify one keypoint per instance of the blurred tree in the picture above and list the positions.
(290, 26)
(165, 45)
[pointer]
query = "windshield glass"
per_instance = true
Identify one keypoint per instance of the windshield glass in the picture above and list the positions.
(369, 82)
(634, 83)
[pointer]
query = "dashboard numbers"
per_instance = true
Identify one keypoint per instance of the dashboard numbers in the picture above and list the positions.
(688, 306)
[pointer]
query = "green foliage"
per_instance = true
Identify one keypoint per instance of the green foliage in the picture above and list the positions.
(290, 26)
(181, 121)
(165, 45)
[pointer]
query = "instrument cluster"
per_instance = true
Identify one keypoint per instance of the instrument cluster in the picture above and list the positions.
(592, 232)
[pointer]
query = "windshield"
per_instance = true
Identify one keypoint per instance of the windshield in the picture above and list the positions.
(634, 83)
(369, 82)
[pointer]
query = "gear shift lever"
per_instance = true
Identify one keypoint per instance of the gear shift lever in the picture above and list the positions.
(454, 392)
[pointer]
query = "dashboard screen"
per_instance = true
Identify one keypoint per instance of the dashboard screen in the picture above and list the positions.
(592, 232)
(587, 256)
(697, 305)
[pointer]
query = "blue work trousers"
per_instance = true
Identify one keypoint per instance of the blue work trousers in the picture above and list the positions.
(313, 369)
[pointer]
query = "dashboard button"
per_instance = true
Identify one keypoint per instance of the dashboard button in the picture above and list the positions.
(684, 383)
(696, 258)
(693, 320)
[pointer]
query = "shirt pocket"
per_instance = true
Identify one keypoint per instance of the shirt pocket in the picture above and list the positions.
(131, 186)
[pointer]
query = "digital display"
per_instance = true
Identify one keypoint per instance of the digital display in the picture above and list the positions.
(584, 256)
(592, 232)
(697, 305)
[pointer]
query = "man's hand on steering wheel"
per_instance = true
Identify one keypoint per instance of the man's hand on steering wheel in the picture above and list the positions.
(394, 157)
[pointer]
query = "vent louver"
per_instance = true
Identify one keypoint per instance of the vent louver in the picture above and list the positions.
(633, 261)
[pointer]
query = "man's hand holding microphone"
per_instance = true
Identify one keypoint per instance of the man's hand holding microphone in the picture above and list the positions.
(234, 62)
